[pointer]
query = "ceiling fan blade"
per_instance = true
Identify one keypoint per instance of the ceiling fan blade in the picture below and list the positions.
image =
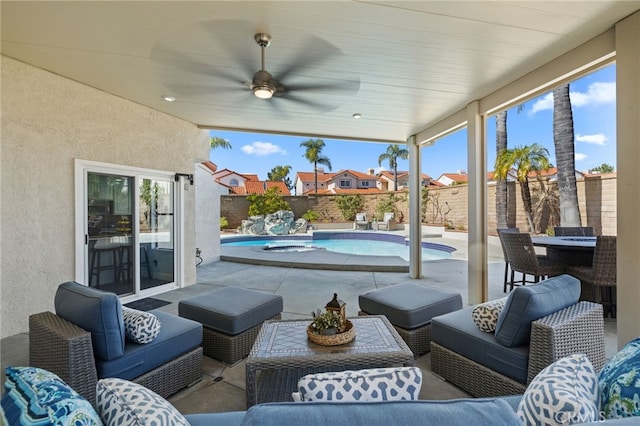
(236, 38)
(164, 55)
(322, 50)
(314, 105)
(340, 87)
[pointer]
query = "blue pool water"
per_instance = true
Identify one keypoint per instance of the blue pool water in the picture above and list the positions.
(348, 243)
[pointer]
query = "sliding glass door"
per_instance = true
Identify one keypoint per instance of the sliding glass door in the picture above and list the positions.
(126, 228)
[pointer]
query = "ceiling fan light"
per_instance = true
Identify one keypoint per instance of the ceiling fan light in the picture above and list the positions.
(263, 91)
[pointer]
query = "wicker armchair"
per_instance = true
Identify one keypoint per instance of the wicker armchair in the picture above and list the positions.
(601, 276)
(388, 223)
(65, 349)
(522, 258)
(576, 329)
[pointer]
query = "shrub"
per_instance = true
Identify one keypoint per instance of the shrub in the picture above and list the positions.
(224, 223)
(387, 204)
(349, 205)
(269, 202)
(310, 216)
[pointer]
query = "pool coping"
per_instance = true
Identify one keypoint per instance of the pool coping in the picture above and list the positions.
(314, 259)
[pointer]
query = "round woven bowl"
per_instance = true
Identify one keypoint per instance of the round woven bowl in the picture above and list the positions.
(337, 339)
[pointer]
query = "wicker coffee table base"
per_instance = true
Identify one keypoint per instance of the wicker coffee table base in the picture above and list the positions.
(230, 349)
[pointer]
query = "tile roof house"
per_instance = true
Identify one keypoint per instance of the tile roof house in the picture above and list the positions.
(386, 180)
(449, 179)
(341, 182)
(246, 183)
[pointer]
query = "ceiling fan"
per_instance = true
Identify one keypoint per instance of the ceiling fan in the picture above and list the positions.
(264, 86)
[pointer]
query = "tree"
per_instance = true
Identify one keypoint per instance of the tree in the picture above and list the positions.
(313, 154)
(501, 184)
(280, 174)
(603, 168)
(393, 153)
(563, 141)
(349, 205)
(269, 202)
(525, 159)
(217, 142)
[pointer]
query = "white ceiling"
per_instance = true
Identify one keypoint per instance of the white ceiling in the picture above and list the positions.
(402, 65)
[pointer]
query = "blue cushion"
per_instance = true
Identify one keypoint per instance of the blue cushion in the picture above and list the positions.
(620, 383)
(231, 310)
(463, 412)
(177, 337)
(457, 331)
(38, 397)
(229, 418)
(96, 311)
(526, 304)
(409, 305)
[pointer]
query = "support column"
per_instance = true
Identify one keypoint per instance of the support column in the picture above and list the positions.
(478, 290)
(415, 214)
(628, 194)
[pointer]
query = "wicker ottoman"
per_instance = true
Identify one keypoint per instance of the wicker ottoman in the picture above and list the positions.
(410, 307)
(231, 318)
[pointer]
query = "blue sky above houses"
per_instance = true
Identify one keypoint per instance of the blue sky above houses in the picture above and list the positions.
(593, 102)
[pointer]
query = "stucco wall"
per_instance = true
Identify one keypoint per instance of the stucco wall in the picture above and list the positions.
(47, 122)
(207, 216)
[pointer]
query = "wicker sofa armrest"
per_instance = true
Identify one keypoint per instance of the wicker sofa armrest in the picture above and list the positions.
(578, 328)
(65, 349)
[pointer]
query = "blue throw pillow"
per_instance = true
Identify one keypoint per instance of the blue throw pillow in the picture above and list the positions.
(38, 397)
(526, 304)
(620, 383)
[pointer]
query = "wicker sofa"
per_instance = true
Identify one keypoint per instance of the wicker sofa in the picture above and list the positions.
(553, 322)
(84, 341)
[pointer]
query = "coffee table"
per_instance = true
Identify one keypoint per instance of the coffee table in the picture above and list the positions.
(282, 354)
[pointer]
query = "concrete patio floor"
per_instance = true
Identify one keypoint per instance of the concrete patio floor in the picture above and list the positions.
(223, 387)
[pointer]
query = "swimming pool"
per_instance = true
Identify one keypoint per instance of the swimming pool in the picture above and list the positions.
(359, 243)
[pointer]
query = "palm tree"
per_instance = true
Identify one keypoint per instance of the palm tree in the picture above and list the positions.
(565, 157)
(393, 153)
(217, 142)
(501, 184)
(280, 173)
(524, 159)
(313, 154)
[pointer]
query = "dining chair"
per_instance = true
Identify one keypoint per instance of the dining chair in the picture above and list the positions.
(601, 276)
(508, 281)
(522, 258)
(573, 231)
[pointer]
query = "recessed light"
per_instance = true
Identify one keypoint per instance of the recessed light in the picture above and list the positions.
(357, 115)
(169, 98)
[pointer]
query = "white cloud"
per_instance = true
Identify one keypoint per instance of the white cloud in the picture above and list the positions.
(546, 102)
(597, 93)
(262, 149)
(596, 139)
(580, 156)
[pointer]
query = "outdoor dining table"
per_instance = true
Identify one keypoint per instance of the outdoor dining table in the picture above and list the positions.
(571, 251)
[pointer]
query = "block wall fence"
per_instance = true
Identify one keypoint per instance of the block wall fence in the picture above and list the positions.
(448, 205)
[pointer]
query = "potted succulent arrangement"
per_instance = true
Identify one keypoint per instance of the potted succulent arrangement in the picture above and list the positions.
(326, 323)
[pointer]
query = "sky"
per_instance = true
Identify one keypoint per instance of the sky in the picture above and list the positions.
(593, 103)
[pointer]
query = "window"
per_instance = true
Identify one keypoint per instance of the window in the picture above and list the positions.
(234, 182)
(345, 184)
(365, 184)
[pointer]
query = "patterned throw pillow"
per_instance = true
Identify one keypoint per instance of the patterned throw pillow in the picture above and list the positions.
(566, 392)
(380, 384)
(38, 397)
(139, 326)
(620, 383)
(485, 315)
(121, 402)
